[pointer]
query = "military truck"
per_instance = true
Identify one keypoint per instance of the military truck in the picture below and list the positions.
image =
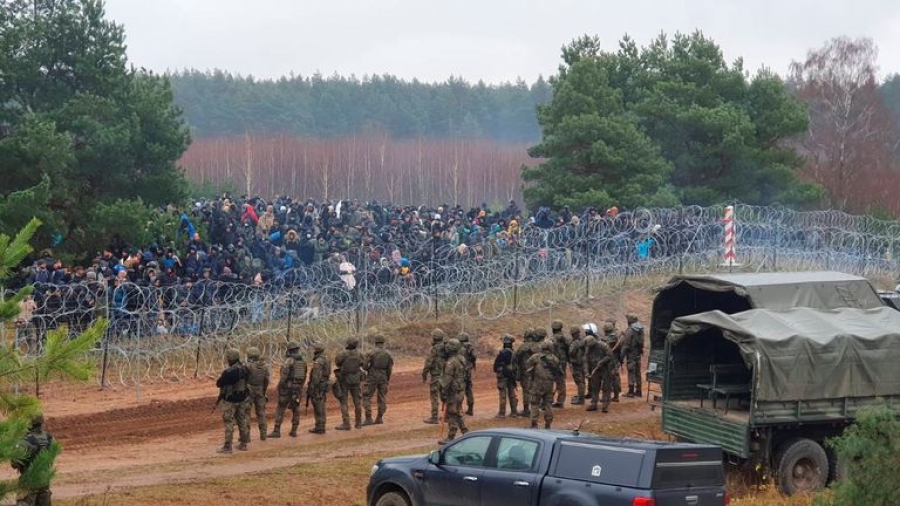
(770, 386)
(733, 293)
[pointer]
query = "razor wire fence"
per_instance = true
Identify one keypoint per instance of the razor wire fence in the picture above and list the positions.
(174, 333)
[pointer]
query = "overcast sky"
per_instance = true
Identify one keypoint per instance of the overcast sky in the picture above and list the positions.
(493, 40)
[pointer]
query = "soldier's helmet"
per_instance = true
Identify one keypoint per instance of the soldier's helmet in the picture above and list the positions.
(540, 333)
(546, 346)
(232, 355)
(507, 339)
(454, 345)
(590, 329)
(318, 347)
(608, 328)
(631, 318)
(379, 339)
(291, 346)
(463, 337)
(528, 334)
(437, 335)
(37, 419)
(556, 325)
(253, 352)
(575, 331)
(352, 343)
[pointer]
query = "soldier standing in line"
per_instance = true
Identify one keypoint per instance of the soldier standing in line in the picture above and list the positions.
(561, 351)
(611, 338)
(348, 369)
(576, 359)
(290, 389)
(317, 388)
(523, 353)
(35, 441)
(505, 369)
(633, 349)
(598, 360)
(232, 386)
(434, 367)
(468, 352)
(543, 367)
(258, 377)
(379, 365)
(453, 387)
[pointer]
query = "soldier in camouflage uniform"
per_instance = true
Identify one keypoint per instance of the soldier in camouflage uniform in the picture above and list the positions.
(632, 350)
(348, 369)
(576, 360)
(611, 338)
(434, 367)
(35, 441)
(523, 353)
(258, 377)
(318, 385)
(561, 351)
(232, 386)
(453, 388)
(598, 361)
(290, 389)
(379, 365)
(468, 352)
(544, 370)
(505, 369)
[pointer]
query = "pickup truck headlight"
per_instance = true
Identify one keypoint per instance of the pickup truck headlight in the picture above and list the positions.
(374, 468)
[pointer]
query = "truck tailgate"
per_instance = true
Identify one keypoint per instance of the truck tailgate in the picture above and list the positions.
(689, 477)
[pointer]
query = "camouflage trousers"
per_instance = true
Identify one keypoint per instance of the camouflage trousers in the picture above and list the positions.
(578, 378)
(236, 413)
(454, 416)
(616, 379)
(351, 392)
(506, 387)
(541, 400)
(633, 364)
(526, 393)
(601, 382)
(286, 401)
(38, 497)
(560, 386)
(318, 403)
(434, 390)
(375, 387)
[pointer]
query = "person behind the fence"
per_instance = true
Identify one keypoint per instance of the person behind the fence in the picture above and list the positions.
(35, 441)
(232, 384)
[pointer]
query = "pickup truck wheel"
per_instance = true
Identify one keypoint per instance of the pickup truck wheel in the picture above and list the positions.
(392, 499)
(801, 466)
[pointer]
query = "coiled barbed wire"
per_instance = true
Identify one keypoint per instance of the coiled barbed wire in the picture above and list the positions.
(172, 333)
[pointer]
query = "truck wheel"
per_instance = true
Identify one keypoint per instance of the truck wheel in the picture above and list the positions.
(801, 466)
(392, 499)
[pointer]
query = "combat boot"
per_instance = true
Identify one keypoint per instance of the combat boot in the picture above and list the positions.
(433, 420)
(592, 407)
(630, 392)
(358, 423)
(226, 449)
(262, 432)
(534, 425)
(557, 405)
(293, 432)
(546, 425)
(276, 432)
(368, 420)
(446, 440)
(615, 398)
(638, 393)
(578, 401)
(242, 446)
(470, 411)
(379, 419)
(317, 430)
(500, 416)
(343, 426)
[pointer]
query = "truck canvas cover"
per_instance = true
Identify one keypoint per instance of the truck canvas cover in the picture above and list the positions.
(805, 353)
(780, 290)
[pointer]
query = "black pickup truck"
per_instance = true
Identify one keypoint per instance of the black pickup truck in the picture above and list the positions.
(523, 467)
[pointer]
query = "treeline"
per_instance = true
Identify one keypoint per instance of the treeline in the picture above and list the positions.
(371, 166)
(219, 103)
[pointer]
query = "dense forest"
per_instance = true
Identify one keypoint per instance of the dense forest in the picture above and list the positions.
(220, 104)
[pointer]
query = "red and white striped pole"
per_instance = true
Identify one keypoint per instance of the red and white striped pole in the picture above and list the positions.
(730, 256)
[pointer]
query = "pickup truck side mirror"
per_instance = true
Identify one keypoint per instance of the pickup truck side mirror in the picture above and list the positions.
(434, 458)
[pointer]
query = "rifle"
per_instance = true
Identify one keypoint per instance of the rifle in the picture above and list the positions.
(218, 400)
(306, 411)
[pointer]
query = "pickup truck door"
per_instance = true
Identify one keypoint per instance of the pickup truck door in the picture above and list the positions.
(457, 480)
(512, 479)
